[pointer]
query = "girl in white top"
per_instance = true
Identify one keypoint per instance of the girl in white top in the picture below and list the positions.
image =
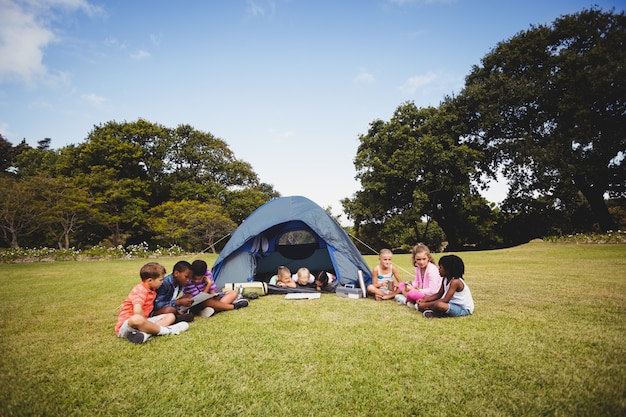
(382, 286)
(454, 297)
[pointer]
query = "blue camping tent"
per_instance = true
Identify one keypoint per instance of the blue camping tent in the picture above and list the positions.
(290, 231)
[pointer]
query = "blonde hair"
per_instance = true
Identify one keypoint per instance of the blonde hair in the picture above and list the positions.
(151, 270)
(421, 248)
(385, 252)
(304, 275)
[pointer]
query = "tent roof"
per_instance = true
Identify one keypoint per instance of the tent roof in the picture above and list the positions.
(294, 208)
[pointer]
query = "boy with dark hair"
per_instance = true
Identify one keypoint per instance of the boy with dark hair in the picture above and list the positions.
(169, 298)
(134, 322)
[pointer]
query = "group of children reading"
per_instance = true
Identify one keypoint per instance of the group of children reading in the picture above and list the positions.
(435, 291)
(164, 304)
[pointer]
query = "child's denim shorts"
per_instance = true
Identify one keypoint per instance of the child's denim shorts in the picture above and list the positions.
(456, 310)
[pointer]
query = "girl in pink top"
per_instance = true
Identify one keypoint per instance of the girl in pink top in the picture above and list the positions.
(427, 279)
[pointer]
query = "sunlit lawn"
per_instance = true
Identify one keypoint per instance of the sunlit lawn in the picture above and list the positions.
(547, 338)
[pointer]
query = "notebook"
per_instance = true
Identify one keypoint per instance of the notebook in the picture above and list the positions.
(302, 296)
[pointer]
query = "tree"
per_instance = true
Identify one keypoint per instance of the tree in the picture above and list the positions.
(18, 216)
(120, 205)
(548, 106)
(6, 155)
(416, 165)
(64, 206)
(190, 224)
(239, 204)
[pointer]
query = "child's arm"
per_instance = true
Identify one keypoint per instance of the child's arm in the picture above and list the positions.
(429, 300)
(375, 282)
(432, 277)
(291, 284)
(209, 282)
(455, 285)
(138, 309)
(395, 273)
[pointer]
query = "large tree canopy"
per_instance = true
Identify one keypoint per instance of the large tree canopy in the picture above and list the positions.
(548, 107)
(102, 190)
(414, 166)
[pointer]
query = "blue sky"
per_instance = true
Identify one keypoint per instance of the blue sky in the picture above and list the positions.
(288, 84)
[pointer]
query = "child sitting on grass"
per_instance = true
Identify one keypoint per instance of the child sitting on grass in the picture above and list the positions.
(134, 322)
(454, 298)
(382, 287)
(202, 281)
(427, 279)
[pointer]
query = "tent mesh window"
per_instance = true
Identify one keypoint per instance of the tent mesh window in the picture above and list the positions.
(297, 244)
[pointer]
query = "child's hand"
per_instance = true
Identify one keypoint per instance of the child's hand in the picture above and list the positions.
(185, 301)
(208, 281)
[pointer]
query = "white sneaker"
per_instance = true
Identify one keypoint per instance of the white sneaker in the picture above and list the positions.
(410, 304)
(206, 312)
(178, 328)
(400, 299)
(429, 314)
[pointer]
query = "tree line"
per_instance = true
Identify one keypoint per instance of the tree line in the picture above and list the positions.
(546, 109)
(128, 183)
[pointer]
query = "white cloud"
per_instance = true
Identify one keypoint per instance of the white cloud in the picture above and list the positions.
(22, 40)
(280, 136)
(418, 81)
(364, 77)
(258, 8)
(141, 54)
(25, 33)
(93, 99)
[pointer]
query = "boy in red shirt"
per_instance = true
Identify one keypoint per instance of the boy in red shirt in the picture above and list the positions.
(134, 322)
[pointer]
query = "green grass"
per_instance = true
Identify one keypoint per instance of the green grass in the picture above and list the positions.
(548, 337)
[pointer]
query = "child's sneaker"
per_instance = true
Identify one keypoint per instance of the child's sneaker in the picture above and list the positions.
(410, 304)
(188, 317)
(137, 337)
(240, 303)
(400, 299)
(178, 328)
(429, 314)
(206, 312)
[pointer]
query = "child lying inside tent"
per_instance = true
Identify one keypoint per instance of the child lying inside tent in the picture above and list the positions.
(304, 279)
(283, 278)
(308, 282)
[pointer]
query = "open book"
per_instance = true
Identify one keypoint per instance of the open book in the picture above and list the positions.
(203, 296)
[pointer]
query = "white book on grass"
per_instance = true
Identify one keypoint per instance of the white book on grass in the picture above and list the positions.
(302, 296)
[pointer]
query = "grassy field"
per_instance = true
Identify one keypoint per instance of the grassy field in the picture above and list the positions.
(548, 338)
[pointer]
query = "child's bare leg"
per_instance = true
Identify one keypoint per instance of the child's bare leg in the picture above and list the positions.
(218, 305)
(439, 308)
(144, 325)
(392, 294)
(229, 296)
(375, 291)
(165, 310)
